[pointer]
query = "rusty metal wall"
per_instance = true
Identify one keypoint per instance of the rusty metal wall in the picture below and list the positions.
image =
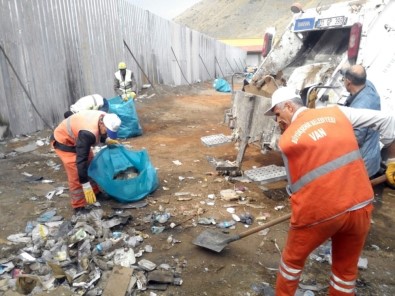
(62, 50)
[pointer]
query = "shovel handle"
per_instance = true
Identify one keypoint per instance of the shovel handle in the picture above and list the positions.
(374, 182)
(378, 180)
(264, 226)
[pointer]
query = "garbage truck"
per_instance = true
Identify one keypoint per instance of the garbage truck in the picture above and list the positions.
(309, 56)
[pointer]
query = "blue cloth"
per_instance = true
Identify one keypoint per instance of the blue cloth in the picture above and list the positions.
(109, 162)
(126, 111)
(221, 85)
(368, 139)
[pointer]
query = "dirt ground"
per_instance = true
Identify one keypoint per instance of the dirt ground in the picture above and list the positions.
(173, 122)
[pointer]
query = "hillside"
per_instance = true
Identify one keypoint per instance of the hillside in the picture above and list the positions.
(230, 19)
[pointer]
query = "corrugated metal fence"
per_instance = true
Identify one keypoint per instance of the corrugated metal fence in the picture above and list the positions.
(61, 50)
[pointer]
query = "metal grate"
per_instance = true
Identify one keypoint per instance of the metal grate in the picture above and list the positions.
(215, 140)
(266, 174)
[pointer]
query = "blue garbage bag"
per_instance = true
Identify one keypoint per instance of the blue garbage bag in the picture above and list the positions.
(109, 162)
(221, 85)
(126, 111)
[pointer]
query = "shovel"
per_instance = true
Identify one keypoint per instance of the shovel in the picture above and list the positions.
(216, 241)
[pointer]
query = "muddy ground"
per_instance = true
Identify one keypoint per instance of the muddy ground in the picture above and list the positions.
(173, 122)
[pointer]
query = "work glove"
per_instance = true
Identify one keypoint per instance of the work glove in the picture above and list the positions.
(390, 171)
(90, 196)
(110, 142)
(132, 95)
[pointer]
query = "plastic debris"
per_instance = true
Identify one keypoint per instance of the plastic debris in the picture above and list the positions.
(246, 218)
(177, 162)
(226, 224)
(146, 265)
(124, 258)
(229, 194)
(363, 263)
(206, 221)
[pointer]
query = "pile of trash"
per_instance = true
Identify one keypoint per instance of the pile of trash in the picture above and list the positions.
(87, 255)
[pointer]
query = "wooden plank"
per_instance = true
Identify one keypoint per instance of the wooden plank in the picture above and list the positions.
(118, 282)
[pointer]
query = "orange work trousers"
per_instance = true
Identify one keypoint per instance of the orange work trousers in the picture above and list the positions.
(347, 232)
(75, 189)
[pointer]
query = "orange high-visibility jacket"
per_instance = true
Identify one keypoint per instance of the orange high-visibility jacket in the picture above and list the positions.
(326, 173)
(67, 131)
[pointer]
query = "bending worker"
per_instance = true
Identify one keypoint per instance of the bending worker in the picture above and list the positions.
(331, 195)
(73, 139)
(363, 95)
(124, 82)
(91, 102)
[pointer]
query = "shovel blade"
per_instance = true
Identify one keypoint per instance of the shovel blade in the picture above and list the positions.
(214, 240)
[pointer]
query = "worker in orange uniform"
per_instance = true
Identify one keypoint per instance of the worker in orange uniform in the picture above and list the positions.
(124, 82)
(330, 192)
(73, 139)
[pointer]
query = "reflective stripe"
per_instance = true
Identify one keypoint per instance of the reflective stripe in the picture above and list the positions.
(360, 205)
(340, 281)
(292, 273)
(94, 100)
(324, 169)
(68, 126)
(288, 277)
(289, 269)
(344, 290)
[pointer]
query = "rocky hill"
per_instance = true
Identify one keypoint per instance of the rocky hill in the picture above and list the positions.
(231, 19)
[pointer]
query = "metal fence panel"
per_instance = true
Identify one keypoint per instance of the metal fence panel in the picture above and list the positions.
(62, 50)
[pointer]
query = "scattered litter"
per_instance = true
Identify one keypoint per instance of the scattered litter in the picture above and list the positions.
(262, 289)
(235, 217)
(246, 218)
(206, 221)
(231, 210)
(264, 231)
(316, 287)
(211, 196)
(47, 181)
(229, 194)
(124, 258)
(6, 267)
(182, 193)
(157, 229)
(278, 208)
(146, 265)
(19, 238)
(363, 263)
(177, 162)
(226, 224)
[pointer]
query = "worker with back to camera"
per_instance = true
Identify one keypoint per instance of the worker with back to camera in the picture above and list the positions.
(330, 192)
(363, 95)
(124, 82)
(91, 102)
(73, 139)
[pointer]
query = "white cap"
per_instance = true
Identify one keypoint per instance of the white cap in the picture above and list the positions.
(112, 123)
(281, 94)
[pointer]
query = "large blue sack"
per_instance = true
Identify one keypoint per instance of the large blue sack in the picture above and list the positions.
(111, 161)
(221, 85)
(126, 111)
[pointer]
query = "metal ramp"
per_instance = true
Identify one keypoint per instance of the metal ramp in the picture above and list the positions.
(266, 174)
(215, 140)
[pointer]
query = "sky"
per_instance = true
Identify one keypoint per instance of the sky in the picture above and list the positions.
(167, 9)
